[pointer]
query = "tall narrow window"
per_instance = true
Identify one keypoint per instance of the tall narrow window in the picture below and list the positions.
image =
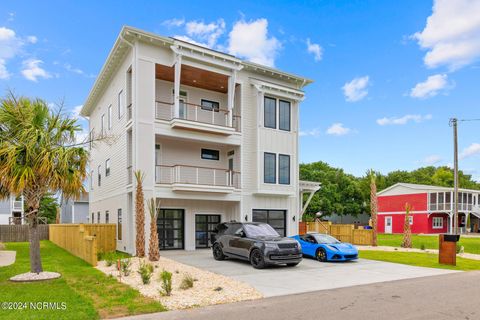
(284, 115)
(283, 169)
(269, 168)
(99, 173)
(121, 107)
(107, 167)
(270, 113)
(109, 117)
(98, 217)
(119, 224)
(93, 217)
(92, 175)
(102, 125)
(107, 216)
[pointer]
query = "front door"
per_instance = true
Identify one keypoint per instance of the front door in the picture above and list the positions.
(170, 224)
(204, 226)
(388, 224)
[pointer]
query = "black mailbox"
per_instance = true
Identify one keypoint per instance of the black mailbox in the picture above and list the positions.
(451, 237)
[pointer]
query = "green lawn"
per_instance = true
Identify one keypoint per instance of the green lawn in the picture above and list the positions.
(471, 245)
(419, 259)
(87, 292)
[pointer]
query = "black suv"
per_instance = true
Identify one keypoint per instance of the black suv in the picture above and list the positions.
(258, 243)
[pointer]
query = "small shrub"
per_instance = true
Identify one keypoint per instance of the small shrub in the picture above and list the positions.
(166, 278)
(218, 289)
(145, 271)
(422, 247)
(187, 282)
(125, 266)
(460, 249)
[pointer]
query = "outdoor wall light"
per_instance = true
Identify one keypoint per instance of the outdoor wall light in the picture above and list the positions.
(293, 218)
(246, 217)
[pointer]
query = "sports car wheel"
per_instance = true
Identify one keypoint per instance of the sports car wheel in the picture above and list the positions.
(218, 252)
(321, 255)
(256, 259)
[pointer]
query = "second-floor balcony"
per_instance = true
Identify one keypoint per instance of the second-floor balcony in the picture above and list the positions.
(197, 117)
(194, 178)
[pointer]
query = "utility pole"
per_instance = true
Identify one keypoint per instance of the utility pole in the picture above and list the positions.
(453, 123)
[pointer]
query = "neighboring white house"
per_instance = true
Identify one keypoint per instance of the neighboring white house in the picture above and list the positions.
(11, 210)
(215, 136)
(75, 210)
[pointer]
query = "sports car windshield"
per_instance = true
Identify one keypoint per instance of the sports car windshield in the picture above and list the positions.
(260, 230)
(326, 239)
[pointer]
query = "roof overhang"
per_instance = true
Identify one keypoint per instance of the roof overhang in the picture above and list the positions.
(308, 186)
(129, 35)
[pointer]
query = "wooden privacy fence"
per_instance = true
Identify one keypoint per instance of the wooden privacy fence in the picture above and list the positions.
(19, 233)
(343, 232)
(84, 240)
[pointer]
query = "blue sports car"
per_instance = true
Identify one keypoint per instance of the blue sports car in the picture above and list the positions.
(326, 248)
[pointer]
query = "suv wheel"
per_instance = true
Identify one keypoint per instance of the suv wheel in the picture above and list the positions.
(218, 252)
(257, 260)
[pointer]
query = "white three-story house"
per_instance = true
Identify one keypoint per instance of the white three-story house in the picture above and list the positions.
(216, 138)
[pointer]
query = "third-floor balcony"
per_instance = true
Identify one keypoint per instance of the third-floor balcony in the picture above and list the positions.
(202, 100)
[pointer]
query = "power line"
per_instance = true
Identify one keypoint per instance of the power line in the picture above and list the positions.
(464, 120)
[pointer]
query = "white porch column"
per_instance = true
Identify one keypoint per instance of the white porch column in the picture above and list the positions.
(176, 87)
(231, 97)
(450, 216)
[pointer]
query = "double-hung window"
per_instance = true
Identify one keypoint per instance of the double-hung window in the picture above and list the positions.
(270, 113)
(284, 115)
(283, 169)
(269, 167)
(107, 167)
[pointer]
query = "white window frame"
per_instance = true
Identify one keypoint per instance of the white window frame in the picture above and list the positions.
(103, 124)
(109, 119)
(121, 105)
(107, 168)
(435, 224)
(410, 220)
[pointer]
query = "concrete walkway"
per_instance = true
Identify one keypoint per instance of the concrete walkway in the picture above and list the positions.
(309, 275)
(7, 258)
(445, 297)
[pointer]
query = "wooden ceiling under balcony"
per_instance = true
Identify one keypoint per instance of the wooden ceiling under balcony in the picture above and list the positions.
(194, 77)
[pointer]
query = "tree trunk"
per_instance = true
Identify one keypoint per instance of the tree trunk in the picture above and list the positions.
(35, 259)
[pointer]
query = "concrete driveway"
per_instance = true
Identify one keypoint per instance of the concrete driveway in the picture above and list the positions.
(309, 275)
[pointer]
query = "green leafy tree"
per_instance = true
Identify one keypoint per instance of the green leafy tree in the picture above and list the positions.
(38, 156)
(48, 208)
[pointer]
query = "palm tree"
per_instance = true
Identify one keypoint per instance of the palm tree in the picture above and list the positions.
(407, 231)
(153, 250)
(38, 156)
(373, 205)
(140, 214)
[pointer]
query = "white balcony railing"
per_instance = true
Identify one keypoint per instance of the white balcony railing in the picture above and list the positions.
(183, 174)
(195, 113)
(17, 205)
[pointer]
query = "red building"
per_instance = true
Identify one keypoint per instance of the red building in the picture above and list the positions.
(431, 209)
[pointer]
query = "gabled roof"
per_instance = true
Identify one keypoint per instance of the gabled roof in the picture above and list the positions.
(130, 34)
(424, 188)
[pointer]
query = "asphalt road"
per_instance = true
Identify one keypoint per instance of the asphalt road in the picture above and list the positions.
(451, 296)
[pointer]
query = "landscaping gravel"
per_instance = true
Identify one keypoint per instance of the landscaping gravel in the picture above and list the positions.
(30, 277)
(208, 288)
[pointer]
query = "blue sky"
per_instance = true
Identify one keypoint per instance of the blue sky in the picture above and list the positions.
(388, 74)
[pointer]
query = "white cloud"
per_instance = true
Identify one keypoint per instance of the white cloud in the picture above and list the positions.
(471, 150)
(32, 39)
(250, 40)
(403, 120)
(10, 46)
(312, 133)
(452, 34)
(175, 22)
(4, 74)
(431, 87)
(432, 159)
(32, 70)
(76, 111)
(314, 49)
(356, 89)
(206, 32)
(338, 129)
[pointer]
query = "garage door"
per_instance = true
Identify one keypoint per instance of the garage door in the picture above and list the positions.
(276, 218)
